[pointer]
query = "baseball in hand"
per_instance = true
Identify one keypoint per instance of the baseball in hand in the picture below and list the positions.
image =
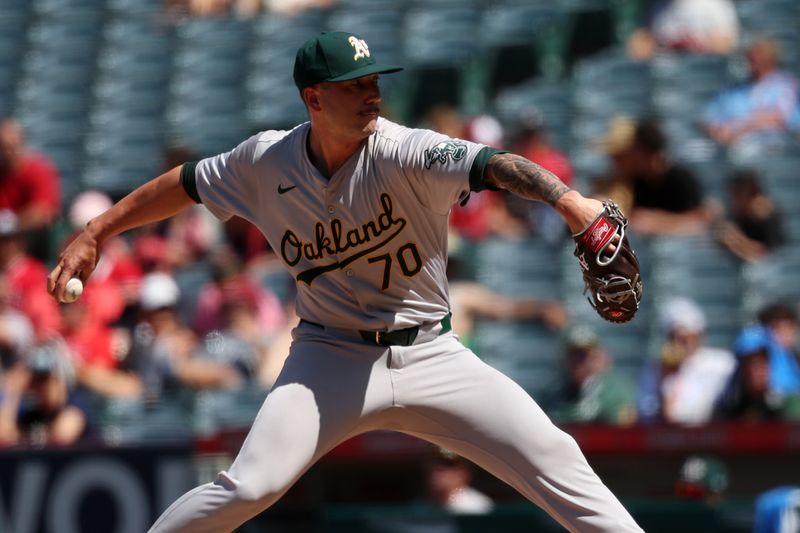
(73, 290)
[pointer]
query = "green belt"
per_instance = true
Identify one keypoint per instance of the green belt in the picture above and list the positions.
(398, 337)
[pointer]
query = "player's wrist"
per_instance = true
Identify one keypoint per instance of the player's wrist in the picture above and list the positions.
(577, 210)
(96, 231)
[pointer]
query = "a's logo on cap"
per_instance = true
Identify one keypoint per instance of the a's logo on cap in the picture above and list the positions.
(360, 46)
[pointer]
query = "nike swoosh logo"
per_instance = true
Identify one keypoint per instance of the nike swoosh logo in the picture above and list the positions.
(282, 189)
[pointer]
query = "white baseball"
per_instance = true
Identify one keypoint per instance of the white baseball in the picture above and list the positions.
(73, 290)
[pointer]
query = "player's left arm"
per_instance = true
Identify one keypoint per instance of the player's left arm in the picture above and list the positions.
(528, 180)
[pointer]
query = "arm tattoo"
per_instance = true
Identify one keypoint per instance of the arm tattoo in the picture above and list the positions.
(524, 178)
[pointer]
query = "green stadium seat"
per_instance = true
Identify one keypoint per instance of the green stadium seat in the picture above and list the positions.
(520, 268)
(272, 100)
(771, 280)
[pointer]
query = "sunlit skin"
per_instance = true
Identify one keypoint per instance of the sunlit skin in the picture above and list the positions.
(12, 144)
(755, 374)
(343, 114)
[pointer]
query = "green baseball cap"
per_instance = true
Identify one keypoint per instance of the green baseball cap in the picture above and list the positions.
(335, 56)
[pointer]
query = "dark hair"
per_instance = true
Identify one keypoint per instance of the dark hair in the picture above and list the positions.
(776, 312)
(746, 180)
(650, 136)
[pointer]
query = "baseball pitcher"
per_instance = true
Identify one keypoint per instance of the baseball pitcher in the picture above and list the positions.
(357, 208)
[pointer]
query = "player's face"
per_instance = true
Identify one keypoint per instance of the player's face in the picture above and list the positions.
(352, 105)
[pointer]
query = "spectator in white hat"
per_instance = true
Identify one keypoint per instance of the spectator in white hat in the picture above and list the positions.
(164, 349)
(684, 384)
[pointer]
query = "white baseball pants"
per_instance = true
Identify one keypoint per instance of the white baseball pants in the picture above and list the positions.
(333, 388)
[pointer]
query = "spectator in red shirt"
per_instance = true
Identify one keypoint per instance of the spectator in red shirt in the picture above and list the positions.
(97, 349)
(27, 279)
(29, 186)
(531, 141)
(114, 286)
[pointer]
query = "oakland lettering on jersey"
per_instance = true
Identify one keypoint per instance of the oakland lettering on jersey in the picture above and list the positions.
(293, 248)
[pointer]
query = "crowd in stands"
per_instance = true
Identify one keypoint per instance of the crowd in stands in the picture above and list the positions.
(192, 305)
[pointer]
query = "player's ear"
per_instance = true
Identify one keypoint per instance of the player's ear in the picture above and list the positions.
(311, 98)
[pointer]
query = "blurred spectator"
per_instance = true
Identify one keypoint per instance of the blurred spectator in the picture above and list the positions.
(152, 251)
(294, 7)
(97, 350)
(241, 342)
(162, 347)
(755, 225)
(448, 479)
(781, 322)
(702, 478)
(666, 198)
(247, 241)
(753, 115)
(27, 279)
(591, 392)
(227, 275)
(484, 129)
(192, 234)
(278, 351)
(37, 407)
(471, 301)
(114, 285)
(29, 183)
(749, 395)
(698, 26)
(471, 218)
(446, 120)
(614, 184)
(16, 331)
(778, 510)
(533, 143)
(213, 8)
(685, 383)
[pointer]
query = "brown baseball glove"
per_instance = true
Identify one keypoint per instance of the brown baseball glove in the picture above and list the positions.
(611, 278)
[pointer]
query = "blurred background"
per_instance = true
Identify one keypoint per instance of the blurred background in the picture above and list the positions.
(685, 112)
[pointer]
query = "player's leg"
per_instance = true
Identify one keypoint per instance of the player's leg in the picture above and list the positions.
(453, 399)
(327, 392)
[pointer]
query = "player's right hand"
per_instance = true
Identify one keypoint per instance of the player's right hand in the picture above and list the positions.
(77, 260)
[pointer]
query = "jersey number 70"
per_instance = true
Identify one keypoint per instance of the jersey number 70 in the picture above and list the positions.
(407, 257)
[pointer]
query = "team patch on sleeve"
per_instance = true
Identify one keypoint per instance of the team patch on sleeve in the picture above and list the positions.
(444, 151)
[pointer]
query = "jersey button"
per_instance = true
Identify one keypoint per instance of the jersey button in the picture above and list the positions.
(349, 272)
(331, 209)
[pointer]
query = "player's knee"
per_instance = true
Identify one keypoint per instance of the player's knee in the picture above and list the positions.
(253, 494)
(559, 444)
(260, 493)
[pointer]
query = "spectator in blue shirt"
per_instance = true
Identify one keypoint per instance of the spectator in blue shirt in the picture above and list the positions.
(782, 323)
(754, 115)
(778, 511)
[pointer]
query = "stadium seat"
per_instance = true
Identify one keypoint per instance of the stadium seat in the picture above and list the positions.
(216, 410)
(700, 269)
(206, 107)
(609, 83)
(518, 267)
(454, 26)
(133, 422)
(272, 100)
(528, 353)
(552, 100)
(772, 279)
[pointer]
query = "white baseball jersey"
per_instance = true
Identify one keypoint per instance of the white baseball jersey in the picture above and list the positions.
(367, 246)
(368, 251)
